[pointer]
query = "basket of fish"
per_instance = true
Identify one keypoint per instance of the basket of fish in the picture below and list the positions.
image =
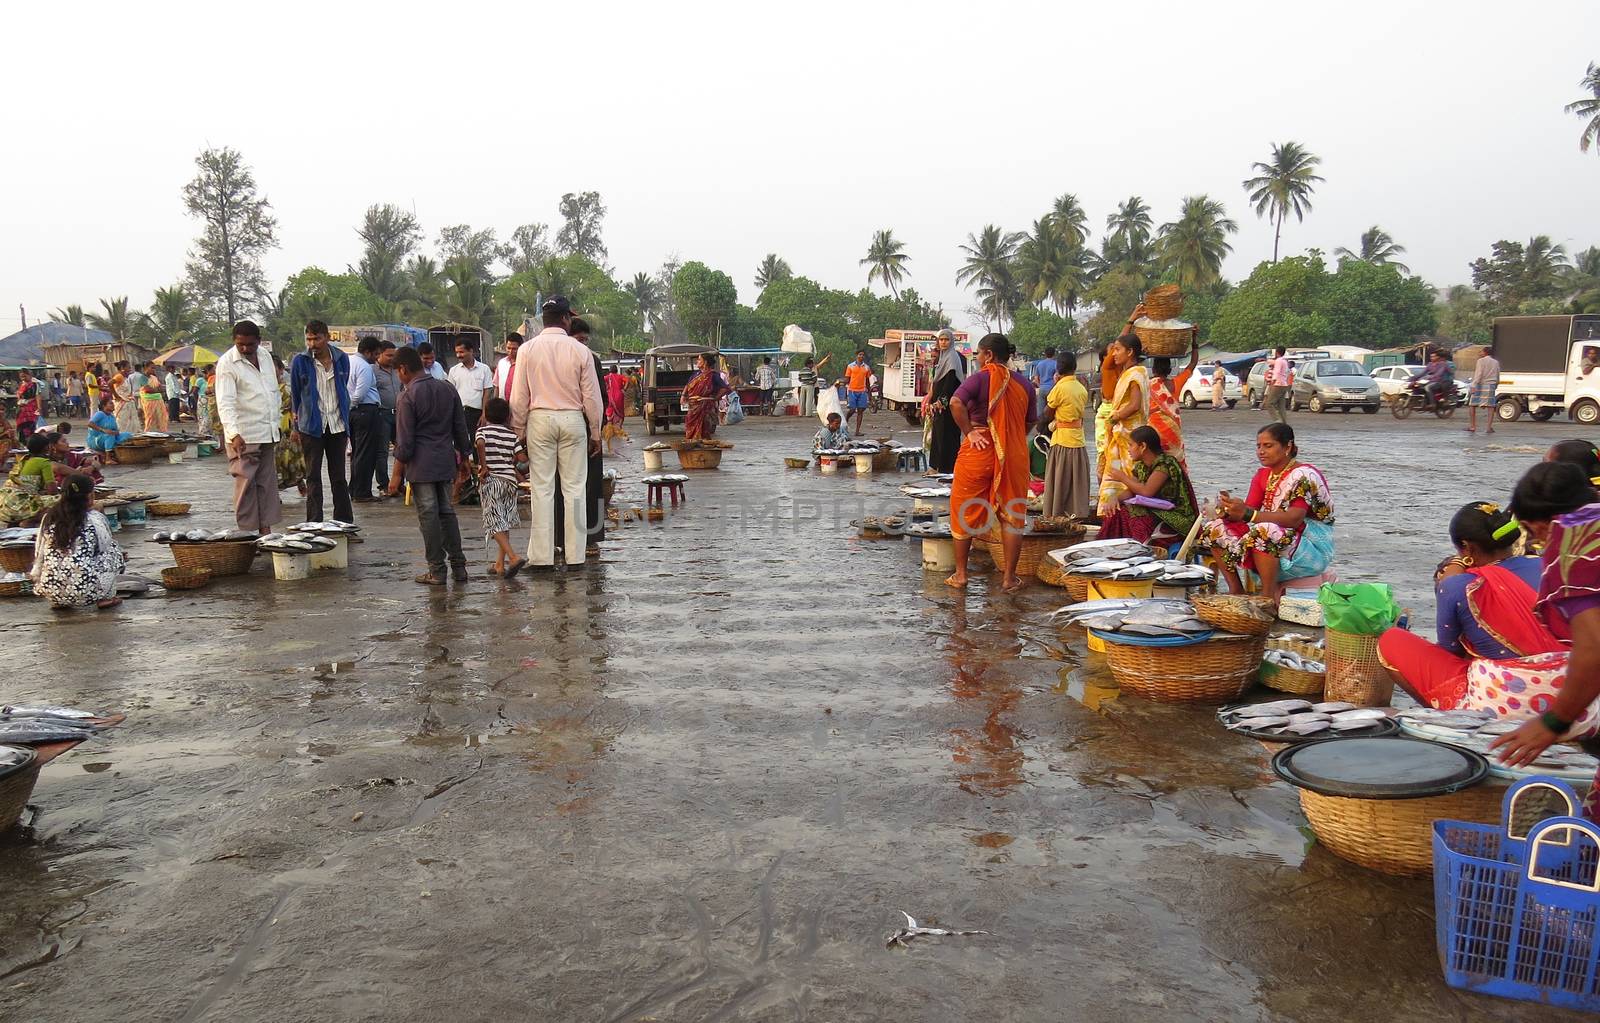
(13, 584)
(1246, 616)
(24, 727)
(18, 772)
(1158, 649)
(1301, 720)
(296, 541)
(223, 551)
(1478, 729)
(16, 548)
(1293, 665)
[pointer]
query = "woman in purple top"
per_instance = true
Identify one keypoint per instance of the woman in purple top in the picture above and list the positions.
(974, 394)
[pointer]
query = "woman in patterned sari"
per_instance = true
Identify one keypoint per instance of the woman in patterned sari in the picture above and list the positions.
(701, 395)
(1284, 528)
(1156, 474)
(1130, 409)
(1557, 504)
(994, 408)
(1164, 416)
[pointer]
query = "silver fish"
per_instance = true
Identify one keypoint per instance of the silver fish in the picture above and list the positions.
(22, 711)
(1307, 727)
(28, 731)
(1281, 707)
(1501, 727)
(12, 755)
(1361, 714)
(1351, 724)
(912, 929)
(1258, 724)
(1310, 715)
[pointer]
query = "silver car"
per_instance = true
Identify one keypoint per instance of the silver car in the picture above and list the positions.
(1324, 384)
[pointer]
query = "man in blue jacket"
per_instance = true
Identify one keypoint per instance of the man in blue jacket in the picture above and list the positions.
(319, 395)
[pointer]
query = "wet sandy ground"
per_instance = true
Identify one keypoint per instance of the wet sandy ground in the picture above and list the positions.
(697, 781)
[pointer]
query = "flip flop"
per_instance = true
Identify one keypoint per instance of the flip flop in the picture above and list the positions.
(513, 568)
(1013, 587)
(950, 581)
(106, 605)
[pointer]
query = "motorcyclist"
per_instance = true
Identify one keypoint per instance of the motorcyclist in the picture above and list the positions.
(1436, 376)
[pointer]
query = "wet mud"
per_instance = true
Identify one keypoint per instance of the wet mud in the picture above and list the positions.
(699, 780)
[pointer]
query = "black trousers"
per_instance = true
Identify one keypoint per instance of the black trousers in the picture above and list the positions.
(366, 448)
(386, 422)
(327, 448)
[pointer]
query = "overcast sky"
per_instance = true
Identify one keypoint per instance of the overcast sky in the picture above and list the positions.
(723, 132)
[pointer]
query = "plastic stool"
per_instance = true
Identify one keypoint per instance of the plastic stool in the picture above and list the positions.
(673, 487)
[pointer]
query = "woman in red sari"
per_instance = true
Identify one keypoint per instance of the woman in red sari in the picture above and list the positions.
(701, 395)
(1485, 612)
(994, 409)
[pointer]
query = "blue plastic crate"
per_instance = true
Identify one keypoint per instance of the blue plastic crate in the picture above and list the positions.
(1517, 906)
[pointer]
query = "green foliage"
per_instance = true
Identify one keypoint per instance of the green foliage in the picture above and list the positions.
(238, 228)
(174, 318)
(1376, 247)
(610, 310)
(1374, 306)
(1278, 304)
(704, 299)
(988, 265)
(115, 318)
(772, 268)
(1193, 246)
(1115, 293)
(886, 261)
(388, 235)
(581, 213)
(315, 294)
(1036, 328)
(1464, 316)
(72, 315)
(1283, 185)
(1514, 273)
(841, 322)
(1588, 107)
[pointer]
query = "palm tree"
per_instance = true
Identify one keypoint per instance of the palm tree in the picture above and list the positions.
(173, 316)
(467, 295)
(771, 271)
(646, 294)
(1041, 258)
(72, 315)
(1588, 107)
(1068, 215)
(425, 284)
(988, 266)
(1283, 185)
(1543, 266)
(1129, 227)
(1583, 278)
(1377, 248)
(118, 320)
(886, 261)
(1194, 245)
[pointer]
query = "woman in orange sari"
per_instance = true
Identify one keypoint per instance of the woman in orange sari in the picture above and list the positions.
(994, 408)
(701, 395)
(1164, 391)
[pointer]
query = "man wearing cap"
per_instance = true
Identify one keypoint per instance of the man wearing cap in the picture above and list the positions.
(556, 408)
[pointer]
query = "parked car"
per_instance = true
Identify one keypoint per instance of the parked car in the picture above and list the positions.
(1392, 381)
(1255, 385)
(1324, 384)
(1197, 390)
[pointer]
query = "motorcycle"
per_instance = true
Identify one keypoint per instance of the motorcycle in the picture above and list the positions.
(1416, 398)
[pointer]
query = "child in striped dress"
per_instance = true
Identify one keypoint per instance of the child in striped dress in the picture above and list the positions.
(499, 456)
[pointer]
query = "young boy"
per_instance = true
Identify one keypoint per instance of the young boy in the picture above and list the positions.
(499, 456)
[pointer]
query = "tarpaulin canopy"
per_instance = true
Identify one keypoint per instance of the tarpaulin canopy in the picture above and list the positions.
(186, 355)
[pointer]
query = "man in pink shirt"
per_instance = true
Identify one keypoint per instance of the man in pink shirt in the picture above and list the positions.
(556, 409)
(1277, 381)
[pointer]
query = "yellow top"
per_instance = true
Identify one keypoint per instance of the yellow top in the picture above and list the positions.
(1067, 400)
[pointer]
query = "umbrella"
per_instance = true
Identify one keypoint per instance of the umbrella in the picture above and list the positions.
(187, 355)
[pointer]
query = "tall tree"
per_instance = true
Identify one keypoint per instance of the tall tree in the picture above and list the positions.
(772, 270)
(478, 249)
(1129, 227)
(72, 316)
(425, 284)
(705, 299)
(224, 268)
(115, 318)
(645, 292)
(1283, 185)
(467, 297)
(529, 247)
(388, 235)
(172, 318)
(987, 268)
(1588, 107)
(1042, 262)
(1194, 246)
(1583, 280)
(1070, 218)
(582, 213)
(886, 261)
(1376, 248)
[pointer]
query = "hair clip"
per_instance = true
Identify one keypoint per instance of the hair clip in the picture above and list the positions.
(1489, 509)
(1507, 529)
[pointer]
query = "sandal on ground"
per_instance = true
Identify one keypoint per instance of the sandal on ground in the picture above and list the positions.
(515, 567)
(429, 579)
(106, 605)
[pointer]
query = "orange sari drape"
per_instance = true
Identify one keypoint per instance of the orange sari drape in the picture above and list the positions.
(994, 480)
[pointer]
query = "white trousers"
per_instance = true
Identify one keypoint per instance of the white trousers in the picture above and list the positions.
(557, 438)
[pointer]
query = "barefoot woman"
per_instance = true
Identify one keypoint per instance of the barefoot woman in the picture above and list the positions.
(993, 408)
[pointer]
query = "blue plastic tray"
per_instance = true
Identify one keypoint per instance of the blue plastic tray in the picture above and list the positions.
(1189, 640)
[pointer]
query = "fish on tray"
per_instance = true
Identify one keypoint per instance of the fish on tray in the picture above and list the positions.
(1275, 708)
(29, 731)
(24, 711)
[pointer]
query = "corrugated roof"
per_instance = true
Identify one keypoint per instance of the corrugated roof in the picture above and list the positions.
(28, 345)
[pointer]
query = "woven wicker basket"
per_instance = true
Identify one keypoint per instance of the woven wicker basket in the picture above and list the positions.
(16, 559)
(797, 463)
(222, 557)
(1293, 680)
(1224, 611)
(1215, 671)
(1163, 302)
(1168, 341)
(1035, 547)
(11, 589)
(1050, 573)
(1355, 675)
(143, 454)
(699, 458)
(185, 578)
(15, 788)
(163, 509)
(1077, 587)
(1394, 836)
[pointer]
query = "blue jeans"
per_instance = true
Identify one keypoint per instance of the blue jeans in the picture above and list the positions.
(441, 532)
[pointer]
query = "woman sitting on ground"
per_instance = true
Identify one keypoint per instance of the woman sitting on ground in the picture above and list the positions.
(1283, 529)
(104, 435)
(1485, 604)
(75, 560)
(1158, 475)
(33, 480)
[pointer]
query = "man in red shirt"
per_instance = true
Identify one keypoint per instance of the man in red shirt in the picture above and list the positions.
(858, 382)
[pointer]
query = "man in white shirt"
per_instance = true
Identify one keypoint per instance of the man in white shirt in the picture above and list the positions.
(174, 396)
(430, 362)
(473, 382)
(250, 407)
(767, 381)
(506, 369)
(556, 406)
